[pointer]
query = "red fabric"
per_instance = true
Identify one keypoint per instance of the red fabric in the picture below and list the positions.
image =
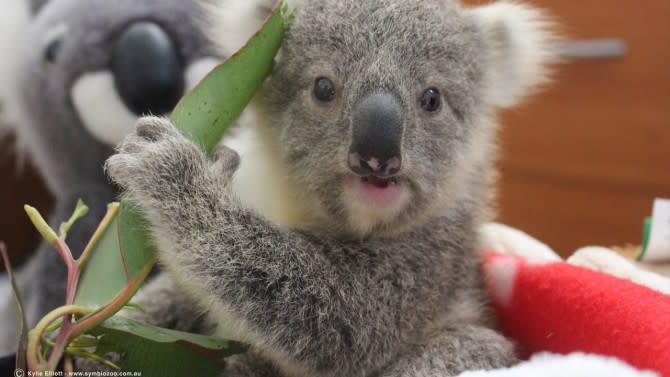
(562, 308)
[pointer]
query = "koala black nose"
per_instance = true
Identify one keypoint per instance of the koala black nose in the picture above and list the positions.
(147, 69)
(376, 136)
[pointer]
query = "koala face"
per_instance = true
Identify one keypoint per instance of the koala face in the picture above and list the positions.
(376, 105)
(89, 69)
(379, 105)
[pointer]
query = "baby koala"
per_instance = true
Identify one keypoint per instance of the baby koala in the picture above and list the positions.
(341, 241)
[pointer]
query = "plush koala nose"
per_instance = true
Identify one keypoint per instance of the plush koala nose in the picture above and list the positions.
(376, 136)
(148, 70)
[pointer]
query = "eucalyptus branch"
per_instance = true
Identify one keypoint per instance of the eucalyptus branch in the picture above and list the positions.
(70, 320)
(74, 268)
(69, 331)
(36, 361)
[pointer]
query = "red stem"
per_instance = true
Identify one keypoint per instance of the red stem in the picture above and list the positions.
(70, 330)
(117, 303)
(73, 273)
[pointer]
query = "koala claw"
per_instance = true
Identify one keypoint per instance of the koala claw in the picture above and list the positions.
(155, 129)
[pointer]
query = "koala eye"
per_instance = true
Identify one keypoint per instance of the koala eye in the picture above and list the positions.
(324, 89)
(430, 100)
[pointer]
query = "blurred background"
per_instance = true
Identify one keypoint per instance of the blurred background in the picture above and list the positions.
(580, 163)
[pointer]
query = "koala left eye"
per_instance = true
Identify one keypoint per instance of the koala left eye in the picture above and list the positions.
(430, 100)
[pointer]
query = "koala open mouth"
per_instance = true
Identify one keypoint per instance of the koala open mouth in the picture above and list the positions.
(379, 182)
(377, 192)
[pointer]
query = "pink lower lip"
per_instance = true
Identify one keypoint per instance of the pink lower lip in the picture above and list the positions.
(376, 196)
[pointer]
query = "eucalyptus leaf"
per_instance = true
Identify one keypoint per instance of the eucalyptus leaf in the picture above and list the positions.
(161, 352)
(206, 113)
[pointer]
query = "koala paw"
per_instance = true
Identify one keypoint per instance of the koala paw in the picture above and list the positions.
(224, 162)
(156, 161)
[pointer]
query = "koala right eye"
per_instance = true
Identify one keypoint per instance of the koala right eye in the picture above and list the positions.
(324, 89)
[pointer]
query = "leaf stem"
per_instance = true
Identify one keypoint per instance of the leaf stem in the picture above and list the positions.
(112, 210)
(92, 356)
(35, 359)
(118, 303)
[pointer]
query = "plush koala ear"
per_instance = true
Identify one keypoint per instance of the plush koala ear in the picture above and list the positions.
(14, 20)
(520, 44)
(230, 23)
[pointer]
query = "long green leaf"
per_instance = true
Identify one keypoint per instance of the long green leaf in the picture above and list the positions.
(205, 114)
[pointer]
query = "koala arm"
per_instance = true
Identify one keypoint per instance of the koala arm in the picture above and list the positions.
(164, 304)
(311, 305)
(453, 351)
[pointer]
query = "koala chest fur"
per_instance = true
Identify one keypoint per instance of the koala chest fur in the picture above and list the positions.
(260, 182)
(340, 239)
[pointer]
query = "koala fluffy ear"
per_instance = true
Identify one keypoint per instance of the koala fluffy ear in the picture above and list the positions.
(520, 44)
(230, 23)
(14, 20)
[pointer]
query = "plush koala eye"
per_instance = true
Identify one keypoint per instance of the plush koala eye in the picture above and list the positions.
(430, 100)
(51, 51)
(324, 89)
(53, 43)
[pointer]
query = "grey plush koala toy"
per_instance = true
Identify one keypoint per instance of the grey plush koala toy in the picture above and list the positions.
(341, 239)
(75, 75)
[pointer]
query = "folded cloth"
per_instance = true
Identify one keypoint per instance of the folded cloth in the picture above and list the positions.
(572, 365)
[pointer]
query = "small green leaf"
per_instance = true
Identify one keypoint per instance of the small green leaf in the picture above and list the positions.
(80, 211)
(20, 313)
(38, 221)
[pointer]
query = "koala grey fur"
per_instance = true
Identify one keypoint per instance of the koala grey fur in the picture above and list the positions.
(64, 140)
(342, 286)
